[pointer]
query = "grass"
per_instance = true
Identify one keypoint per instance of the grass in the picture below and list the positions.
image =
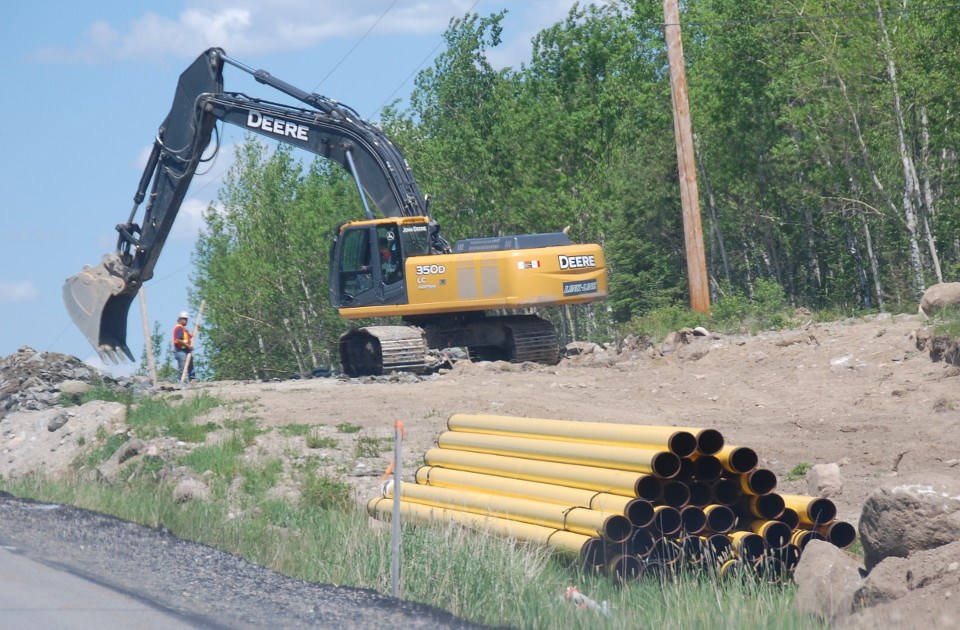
(346, 427)
(798, 472)
(155, 417)
(315, 440)
(946, 323)
(294, 430)
(368, 446)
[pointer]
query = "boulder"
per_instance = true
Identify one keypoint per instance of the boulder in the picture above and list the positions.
(191, 490)
(940, 296)
(823, 480)
(827, 579)
(910, 513)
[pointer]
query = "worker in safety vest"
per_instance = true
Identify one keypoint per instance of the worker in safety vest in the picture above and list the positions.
(183, 345)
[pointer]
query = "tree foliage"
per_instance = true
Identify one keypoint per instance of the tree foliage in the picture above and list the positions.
(826, 147)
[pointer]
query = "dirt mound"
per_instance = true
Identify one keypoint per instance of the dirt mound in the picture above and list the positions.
(32, 381)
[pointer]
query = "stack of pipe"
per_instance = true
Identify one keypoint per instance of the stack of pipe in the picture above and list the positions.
(630, 499)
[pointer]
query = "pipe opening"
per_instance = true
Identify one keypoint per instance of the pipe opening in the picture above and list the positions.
(789, 517)
(682, 444)
(720, 518)
(692, 549)
(694, 520)
(665, 465)
(665, 551)
(841, 534)
(666, 520)
(639, 512)
(775, 534)
(616, 528)
(801, 537)
(750, 547)
(742, 460)
(709, 442)
(686, 468)
(592, 553)
(717, 546)
(648, 488)
(641, 542)
(759, 481)
(766, 506)
(701, 494)
(726, 492)
(707, 468)
(676, 494)
(822, 511)
(624, 567)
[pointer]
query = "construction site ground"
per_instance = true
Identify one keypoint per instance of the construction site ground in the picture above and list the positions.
(856, 392)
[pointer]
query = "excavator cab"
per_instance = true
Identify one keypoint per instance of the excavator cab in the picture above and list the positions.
(367, 260)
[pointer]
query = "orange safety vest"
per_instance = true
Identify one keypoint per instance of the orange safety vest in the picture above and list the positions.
(182, 339)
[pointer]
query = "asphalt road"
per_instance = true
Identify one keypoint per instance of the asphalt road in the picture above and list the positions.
(63, 567)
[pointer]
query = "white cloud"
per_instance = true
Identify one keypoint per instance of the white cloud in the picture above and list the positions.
(246, 27)
(13, 292)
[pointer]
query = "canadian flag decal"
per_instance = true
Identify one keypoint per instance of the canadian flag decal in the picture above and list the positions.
(528, 264)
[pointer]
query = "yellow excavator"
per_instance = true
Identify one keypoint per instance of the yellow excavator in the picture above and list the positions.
(397, 265)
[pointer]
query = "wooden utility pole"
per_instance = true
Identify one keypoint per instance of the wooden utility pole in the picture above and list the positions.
(689, 196)
(147, 338)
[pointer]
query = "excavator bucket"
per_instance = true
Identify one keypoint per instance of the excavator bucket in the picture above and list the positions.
(98, 302)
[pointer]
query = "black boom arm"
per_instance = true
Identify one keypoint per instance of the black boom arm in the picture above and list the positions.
(325, 128)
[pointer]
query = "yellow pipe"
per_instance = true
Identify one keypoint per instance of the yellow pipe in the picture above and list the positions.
(568, 543)
(800, 537)
(623, 567)
(758, 481)
(747, 545)
(612, 527)
(765, 506)
(811, 510)
(666, 520)
(737, 459)
(621, 482)
(775, 534)
(681, 443)
(840, 533)
(639, 512)
(720, 518)
(661, 463)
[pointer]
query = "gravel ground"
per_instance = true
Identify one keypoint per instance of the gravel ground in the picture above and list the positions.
(206, 587)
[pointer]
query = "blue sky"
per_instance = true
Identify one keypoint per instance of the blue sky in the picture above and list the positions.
(86, 84)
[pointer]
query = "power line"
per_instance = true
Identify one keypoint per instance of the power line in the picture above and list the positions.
(363, 37)
(414, 71)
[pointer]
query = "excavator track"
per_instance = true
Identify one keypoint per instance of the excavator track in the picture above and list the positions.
(516, 338)
(533, 339)
(377, 350)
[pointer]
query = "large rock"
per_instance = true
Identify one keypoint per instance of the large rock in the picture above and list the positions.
(940, 296)
(910, 513)
(827, 579)
(824, 480)
(920, 591)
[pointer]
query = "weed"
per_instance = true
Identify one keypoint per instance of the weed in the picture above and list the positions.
(256, 481)
(797, 472)
(246, 429)
(325, 492)
(106, 450)
(368, 446)
(294, 430)
(154, 417)
(315, 440)
(222, 459)
(346, 427)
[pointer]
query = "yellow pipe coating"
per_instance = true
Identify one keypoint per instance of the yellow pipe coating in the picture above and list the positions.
(809, 508)
(569, 543)
(609, 480)
(732, 454)
(551, 493)
(645, 460)
(682, 443)
(612, 527)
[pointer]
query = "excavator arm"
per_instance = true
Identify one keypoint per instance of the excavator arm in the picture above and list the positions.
(98, 298)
